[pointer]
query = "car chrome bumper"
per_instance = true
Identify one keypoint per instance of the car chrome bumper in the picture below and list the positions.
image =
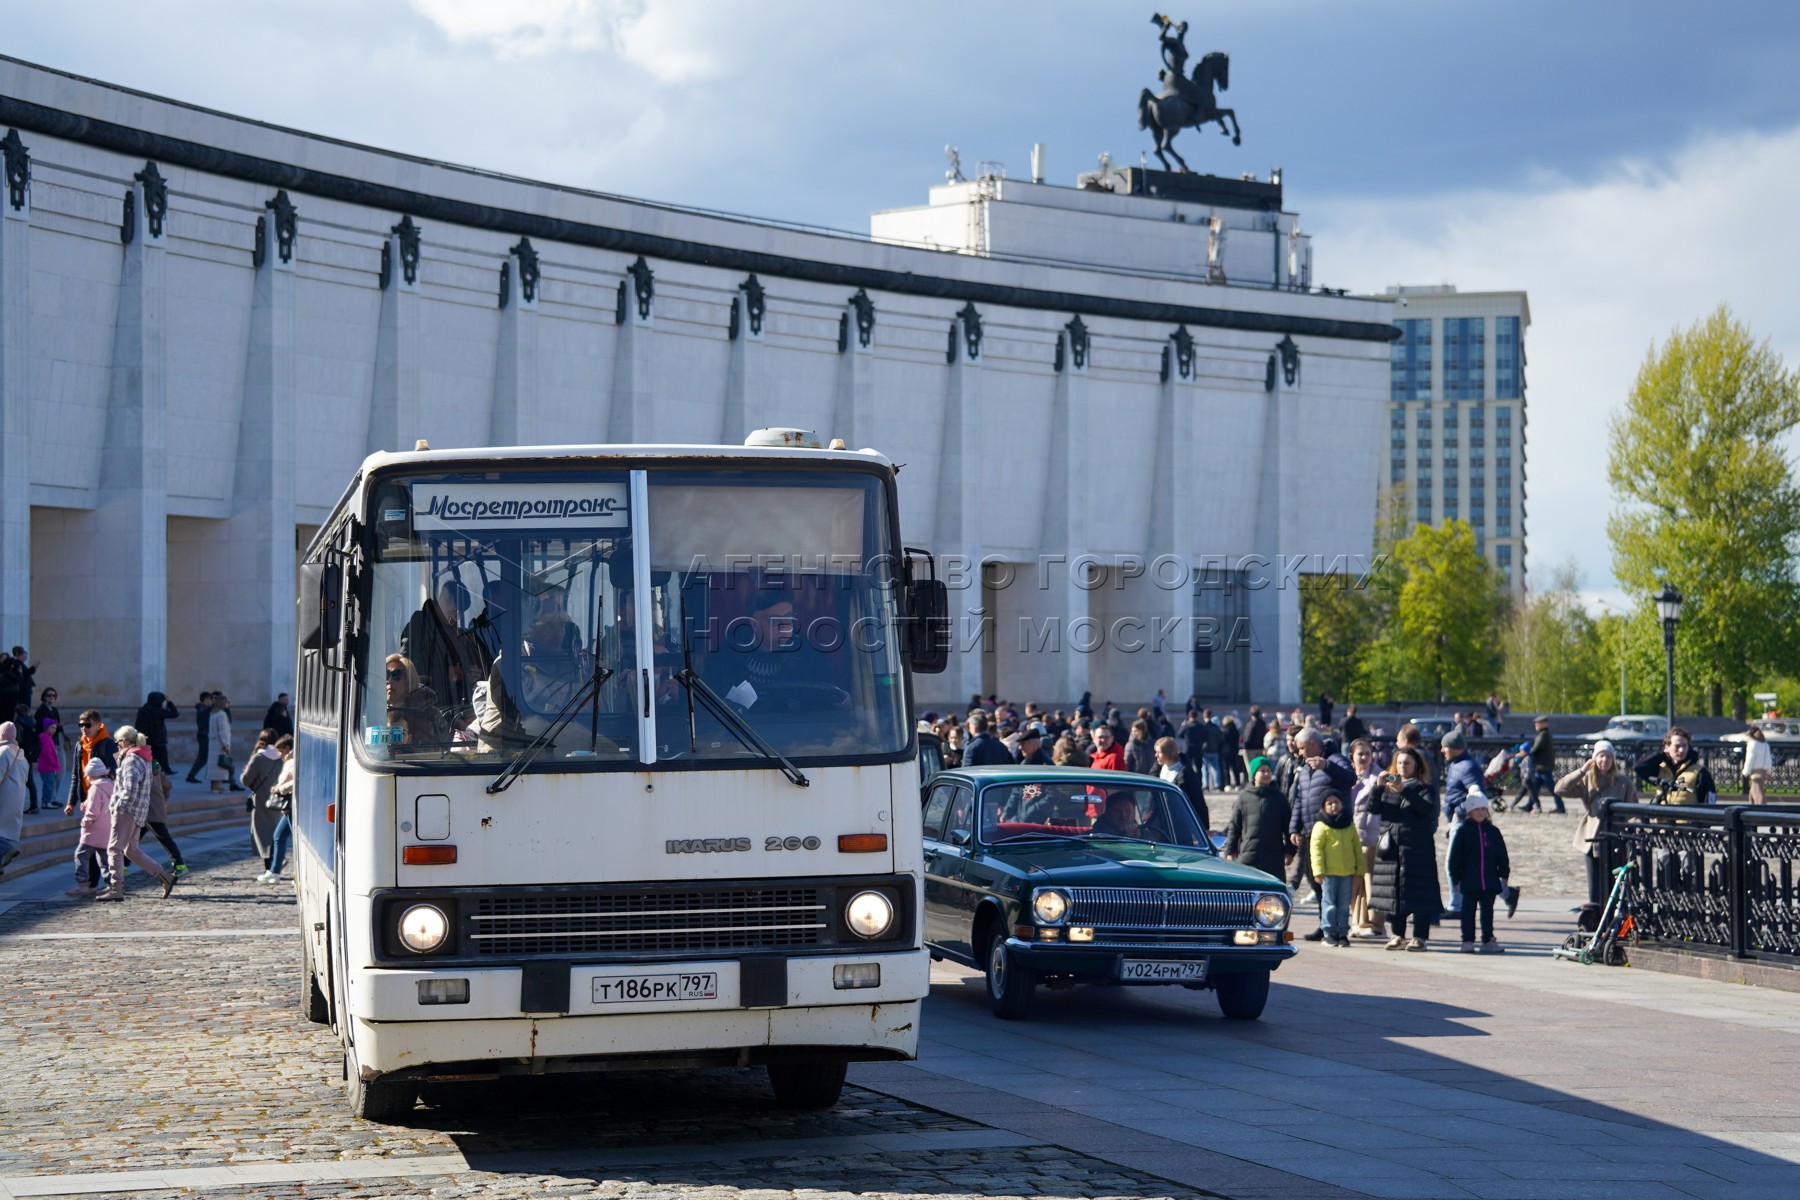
(1061, 958)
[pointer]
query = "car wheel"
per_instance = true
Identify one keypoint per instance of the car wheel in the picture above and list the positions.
(1010, 986)
(806, 1085)
(1243, 994)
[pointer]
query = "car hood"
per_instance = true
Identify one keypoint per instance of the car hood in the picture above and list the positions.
(1129, 864)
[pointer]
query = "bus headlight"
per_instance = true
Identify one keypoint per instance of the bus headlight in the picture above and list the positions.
(1271, 910)
(869, 914)
(423, 928)
(1050, 907)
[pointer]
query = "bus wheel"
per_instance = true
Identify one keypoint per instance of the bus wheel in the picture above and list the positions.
(806, 1085)
(1242, 995)
(385, 1100)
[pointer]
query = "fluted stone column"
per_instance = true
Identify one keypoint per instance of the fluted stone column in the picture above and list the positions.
(129, 550)
(1275, 605)
(394, 402)
(260, 532)
(958, 517)
(853, 414)
(745, 371)
(15, 420)
(1174, 525)
(1067, 538)
(515, 413)
(632, 417)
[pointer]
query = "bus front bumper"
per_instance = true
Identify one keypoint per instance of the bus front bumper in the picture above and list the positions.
(395, 1031)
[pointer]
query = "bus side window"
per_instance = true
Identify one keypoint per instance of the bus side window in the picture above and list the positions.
(935, 810)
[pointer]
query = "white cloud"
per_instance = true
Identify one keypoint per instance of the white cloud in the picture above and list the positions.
(1611, 266)
(674, 41)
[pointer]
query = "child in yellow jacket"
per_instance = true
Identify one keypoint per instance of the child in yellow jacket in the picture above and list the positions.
(1337, 863)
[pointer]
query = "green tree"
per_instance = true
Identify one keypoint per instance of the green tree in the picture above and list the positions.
(1342, 616)
(1555, 658)
(1707, 499)
(1445, 631)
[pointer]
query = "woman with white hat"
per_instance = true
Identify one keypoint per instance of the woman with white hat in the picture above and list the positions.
(1594, 782)
(130, 808)
(15, 771)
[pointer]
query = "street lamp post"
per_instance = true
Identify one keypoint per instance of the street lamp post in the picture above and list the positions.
(1668, 607)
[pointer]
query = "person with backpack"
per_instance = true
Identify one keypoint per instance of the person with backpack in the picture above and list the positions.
(1681, 776)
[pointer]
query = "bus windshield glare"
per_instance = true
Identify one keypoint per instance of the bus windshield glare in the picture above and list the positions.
(505, 604)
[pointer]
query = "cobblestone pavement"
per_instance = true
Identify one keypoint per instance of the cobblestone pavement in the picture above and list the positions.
(160, 1040)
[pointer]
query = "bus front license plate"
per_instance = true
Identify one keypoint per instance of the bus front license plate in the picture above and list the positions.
(639, 989)
(1144, 971)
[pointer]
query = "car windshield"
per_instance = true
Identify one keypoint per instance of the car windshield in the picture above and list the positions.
(1090, 811)
(503, 603)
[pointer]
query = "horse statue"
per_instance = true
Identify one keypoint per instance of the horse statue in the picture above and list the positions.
(1187, 102)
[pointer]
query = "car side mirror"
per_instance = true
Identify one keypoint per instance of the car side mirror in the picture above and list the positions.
(961, 837)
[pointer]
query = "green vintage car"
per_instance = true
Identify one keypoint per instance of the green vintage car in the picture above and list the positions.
(1057, 875)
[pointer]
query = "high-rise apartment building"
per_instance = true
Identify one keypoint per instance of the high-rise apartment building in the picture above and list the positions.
(1456, 417)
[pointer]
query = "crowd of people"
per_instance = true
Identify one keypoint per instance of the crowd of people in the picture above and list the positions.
(119, 781)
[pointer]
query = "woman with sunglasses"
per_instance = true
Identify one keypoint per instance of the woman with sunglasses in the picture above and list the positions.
(96, 742)
(413, 706)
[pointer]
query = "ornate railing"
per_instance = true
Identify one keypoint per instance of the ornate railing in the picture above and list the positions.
(1722, 880)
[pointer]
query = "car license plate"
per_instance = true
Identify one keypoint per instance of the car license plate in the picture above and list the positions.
(1138, 970)
(638, 989)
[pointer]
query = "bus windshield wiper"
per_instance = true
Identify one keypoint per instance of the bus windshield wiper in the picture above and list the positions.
(720, 708)
(504, 779)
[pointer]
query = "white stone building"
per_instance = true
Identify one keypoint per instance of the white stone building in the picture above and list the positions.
(207, 322)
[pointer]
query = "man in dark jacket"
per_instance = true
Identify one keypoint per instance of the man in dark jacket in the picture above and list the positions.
(280, 717)
(1255, 733)
(153, 724)
(202, 714)
(1680, 775)
(1031, 747)
(1316, 776)
(1353, 725)
(983, 748)
(1542, 760)
(1257, 833)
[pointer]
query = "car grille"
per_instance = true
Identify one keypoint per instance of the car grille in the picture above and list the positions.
(600, 922)
(1161, 908)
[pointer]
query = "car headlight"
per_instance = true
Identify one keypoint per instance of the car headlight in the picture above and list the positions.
(1050, 907)
(1271, 911)
(423, 928)
(869, 914)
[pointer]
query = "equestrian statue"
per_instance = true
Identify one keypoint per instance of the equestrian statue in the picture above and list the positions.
(1185, 101)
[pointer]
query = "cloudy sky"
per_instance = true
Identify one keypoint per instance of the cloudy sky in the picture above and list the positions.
(1629, 164)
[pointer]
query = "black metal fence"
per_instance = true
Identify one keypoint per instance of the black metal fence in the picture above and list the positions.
(1723, 759)
(1721, 880)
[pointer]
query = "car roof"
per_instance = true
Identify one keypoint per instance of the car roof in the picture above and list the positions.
(1021, 774)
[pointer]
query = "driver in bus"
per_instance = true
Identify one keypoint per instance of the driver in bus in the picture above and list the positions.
(781, 654)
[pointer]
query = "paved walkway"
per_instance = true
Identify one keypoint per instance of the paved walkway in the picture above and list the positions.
(155, 1049)
(1514, 1077)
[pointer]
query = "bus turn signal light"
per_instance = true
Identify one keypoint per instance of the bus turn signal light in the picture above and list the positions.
(861, 843)
(427, 856)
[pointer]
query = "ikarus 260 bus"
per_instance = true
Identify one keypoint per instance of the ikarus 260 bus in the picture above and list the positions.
(605, 761)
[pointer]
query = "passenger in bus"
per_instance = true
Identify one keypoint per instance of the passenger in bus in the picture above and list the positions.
(433, 641)
(413, 706)
(553, 631)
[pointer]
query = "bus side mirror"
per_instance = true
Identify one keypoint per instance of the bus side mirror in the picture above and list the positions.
(320, 619)
(928, 623)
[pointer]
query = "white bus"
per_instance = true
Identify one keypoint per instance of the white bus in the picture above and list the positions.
(606, 761)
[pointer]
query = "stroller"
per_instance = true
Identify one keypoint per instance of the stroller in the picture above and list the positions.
(1493, 777)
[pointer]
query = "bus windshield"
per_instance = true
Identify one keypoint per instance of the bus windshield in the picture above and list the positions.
(507, 604)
